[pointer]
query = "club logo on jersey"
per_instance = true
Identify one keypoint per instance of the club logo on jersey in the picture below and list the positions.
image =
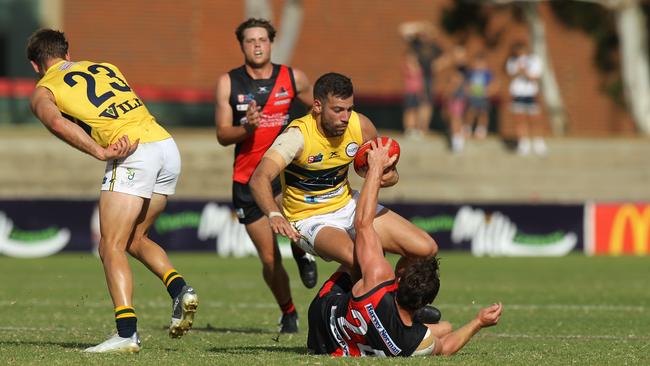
(245, 98)
(282, 93)
(351, 149)
(315, 158)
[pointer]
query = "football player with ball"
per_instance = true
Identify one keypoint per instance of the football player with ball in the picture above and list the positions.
(318, 206)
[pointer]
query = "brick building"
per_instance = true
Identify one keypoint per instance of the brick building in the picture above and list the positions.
(173, 45)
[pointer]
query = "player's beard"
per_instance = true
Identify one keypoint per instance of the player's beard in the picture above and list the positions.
(331, 130)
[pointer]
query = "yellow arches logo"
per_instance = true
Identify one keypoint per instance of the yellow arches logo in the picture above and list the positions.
(639, 223)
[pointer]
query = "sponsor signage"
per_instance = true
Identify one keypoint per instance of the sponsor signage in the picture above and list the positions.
(45, 227)
(500, 230)
(619, 229)
(40, 228)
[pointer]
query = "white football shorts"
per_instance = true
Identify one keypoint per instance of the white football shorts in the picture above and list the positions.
(342, 219)
(154, 167)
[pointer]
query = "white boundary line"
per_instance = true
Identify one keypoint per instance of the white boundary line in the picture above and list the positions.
(564, 336)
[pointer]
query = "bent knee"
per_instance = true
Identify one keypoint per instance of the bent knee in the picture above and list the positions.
(427, 246)
(134, 247)
(271, 262)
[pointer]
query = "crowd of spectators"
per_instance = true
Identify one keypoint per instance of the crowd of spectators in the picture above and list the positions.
(467, 90)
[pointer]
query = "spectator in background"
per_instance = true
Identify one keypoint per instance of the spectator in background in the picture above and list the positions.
(413, 93)
(457, 98)
(480, 86)
(525, 69)
(422, 39)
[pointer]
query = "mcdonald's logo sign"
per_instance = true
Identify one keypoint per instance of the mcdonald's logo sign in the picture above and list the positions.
(622, 229)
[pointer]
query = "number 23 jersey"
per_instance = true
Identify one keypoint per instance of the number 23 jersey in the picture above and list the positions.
(98, 95)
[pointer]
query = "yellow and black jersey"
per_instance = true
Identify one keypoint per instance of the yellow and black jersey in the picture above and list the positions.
(98, 95)
(316, 182)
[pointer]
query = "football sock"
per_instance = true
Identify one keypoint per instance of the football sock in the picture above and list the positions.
(126, 321)
(174, 282)
(288, 307)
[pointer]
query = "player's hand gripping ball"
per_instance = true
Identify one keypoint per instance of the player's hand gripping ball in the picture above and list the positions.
(361, 159)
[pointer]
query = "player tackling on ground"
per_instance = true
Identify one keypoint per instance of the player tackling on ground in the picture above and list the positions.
(374, 316)
(314, 154)
(143, 165)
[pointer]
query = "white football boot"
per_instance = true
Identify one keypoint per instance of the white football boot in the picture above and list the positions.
(118, 344)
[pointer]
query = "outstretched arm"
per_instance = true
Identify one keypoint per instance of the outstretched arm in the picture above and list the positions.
(455, 340)
(44, 107)
(368, 250)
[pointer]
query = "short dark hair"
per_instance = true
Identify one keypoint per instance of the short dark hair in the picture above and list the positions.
(333, 84)
(254, 23)
(419, 284)
(46, 44)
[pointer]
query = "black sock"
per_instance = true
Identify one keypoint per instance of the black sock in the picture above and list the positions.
(126, 321)
(297, 251)
(174, 282)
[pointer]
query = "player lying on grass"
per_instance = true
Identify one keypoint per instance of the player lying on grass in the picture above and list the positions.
(374, 316)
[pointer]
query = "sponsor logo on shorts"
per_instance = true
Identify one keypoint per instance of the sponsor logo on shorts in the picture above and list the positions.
(242, 107)
(130, 173)
(351, 149)
(240, 213)
(312, 229)
(104, 180)
(315, 158)
(127, 183)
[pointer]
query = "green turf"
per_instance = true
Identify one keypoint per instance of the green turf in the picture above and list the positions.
(572, 310)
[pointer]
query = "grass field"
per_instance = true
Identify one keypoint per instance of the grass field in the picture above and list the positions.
(572, 310)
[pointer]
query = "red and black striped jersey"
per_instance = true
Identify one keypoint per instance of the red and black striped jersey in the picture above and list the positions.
(343, 325)
(274, 97)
